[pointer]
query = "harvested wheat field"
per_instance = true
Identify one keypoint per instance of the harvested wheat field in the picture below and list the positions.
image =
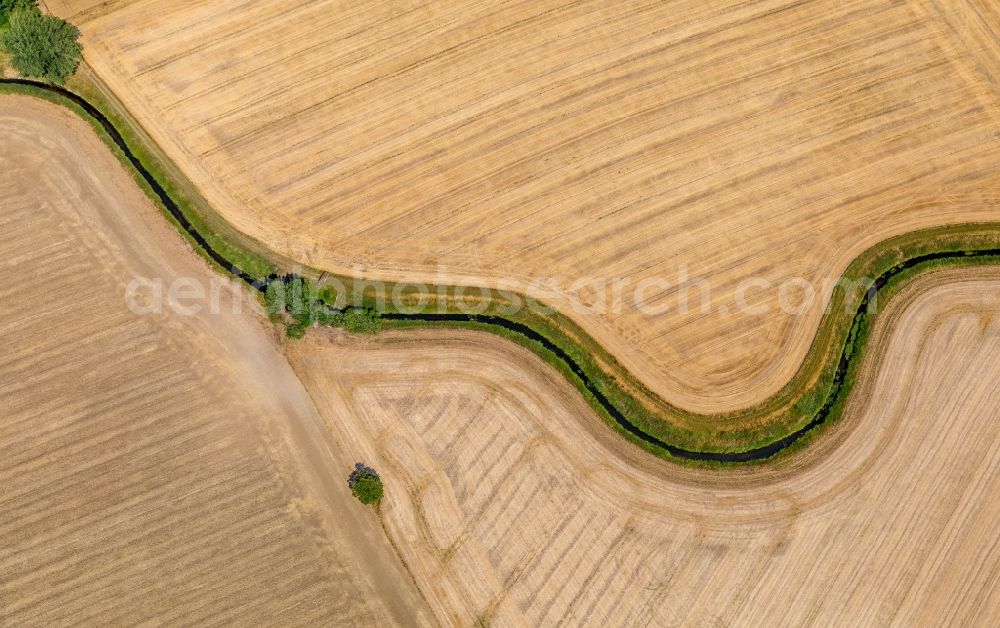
(512, 503)
(463, 142)
(163, 468)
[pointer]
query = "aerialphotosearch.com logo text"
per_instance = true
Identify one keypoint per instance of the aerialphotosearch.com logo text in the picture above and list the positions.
(651, 296)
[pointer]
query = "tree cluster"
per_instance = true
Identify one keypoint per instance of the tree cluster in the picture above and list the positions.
(297, 303)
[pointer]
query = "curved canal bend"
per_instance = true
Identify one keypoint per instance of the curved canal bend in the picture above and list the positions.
(759, 453)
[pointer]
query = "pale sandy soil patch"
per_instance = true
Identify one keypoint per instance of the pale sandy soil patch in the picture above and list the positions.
(512, 502)
(158, 469)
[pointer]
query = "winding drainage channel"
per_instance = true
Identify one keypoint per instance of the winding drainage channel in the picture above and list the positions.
(759, 453)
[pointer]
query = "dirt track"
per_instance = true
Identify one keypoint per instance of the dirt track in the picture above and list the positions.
(513, 503)
(155, 467)
(578, 140)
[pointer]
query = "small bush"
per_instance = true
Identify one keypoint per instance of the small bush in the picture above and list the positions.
(274, 300)
(359, 321)
(330, 318)
(42, 46)
(365, 484)
(327, 295)
(299, 301)
(297, 330)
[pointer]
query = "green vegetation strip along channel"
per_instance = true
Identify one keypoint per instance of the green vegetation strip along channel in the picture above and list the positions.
(579, 358)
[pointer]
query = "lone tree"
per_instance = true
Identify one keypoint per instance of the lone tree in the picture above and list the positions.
(42, 46)
(365, 484)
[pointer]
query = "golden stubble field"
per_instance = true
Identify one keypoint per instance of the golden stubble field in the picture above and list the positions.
(513, 504)
(160, 468)
(575, 140)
